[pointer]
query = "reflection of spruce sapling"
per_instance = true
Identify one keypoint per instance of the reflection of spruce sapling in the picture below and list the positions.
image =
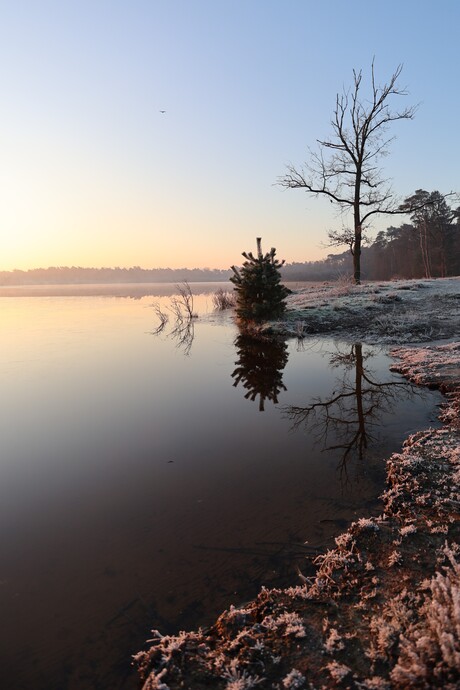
(260, 368)
(259, 293)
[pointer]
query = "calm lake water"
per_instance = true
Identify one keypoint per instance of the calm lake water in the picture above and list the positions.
(142, 485)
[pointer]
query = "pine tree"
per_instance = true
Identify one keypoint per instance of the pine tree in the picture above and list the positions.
(259, 293)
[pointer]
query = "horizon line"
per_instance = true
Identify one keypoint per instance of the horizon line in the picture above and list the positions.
(141, 268)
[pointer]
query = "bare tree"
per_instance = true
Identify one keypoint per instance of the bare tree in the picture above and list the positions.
(350, 416)
(337, 238)
(346, 168)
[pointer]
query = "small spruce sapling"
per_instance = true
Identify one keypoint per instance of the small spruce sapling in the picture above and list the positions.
(259, 292)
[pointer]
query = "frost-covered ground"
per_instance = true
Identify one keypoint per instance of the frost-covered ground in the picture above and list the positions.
(381, 610)
(400, 311)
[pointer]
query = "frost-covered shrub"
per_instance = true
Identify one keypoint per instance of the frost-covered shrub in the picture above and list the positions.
(240, 680)
(293, 680)
(286, 624)
(334, 642)
(430, 649)
(338, 671)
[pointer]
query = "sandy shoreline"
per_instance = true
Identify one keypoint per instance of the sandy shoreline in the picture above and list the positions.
(381, 609)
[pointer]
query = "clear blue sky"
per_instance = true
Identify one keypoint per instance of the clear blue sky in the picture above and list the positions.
(91, 173)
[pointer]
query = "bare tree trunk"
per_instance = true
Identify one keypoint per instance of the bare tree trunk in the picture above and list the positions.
(443, 253)
(357, 259)
(425, 250)
(358, 234)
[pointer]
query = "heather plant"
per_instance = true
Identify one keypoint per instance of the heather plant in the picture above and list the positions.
(430, 649)
(223, 299)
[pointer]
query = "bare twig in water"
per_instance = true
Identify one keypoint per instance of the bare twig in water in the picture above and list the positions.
(163, 319)
(182, 305)
(176, 310)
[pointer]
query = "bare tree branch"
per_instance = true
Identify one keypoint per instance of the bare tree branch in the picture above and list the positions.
(345, 168)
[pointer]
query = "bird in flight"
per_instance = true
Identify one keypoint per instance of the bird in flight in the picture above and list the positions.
(162, 111)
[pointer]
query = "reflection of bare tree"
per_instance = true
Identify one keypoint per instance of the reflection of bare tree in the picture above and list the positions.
(352, 412)
(259, 368)
(183, 333)
(181, 307)
(163, 319)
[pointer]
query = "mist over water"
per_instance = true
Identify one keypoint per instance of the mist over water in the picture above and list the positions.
(142, 486)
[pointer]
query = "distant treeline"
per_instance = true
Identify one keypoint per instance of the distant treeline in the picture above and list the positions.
(427, 247)
(335, 266)
(77, 275)
(328, 269)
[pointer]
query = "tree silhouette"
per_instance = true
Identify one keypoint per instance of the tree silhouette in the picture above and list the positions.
(259, 293)
(350, 414)
(346, 167)
(259, 368)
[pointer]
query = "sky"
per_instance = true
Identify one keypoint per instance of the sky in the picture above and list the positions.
(92, 173)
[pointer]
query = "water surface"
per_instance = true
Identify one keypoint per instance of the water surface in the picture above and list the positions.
(143, 487)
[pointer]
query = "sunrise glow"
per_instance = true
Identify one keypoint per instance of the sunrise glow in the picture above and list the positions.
(154, 135)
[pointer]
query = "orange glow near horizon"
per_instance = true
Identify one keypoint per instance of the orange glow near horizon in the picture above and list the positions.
(25, 250)
(167, 153)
